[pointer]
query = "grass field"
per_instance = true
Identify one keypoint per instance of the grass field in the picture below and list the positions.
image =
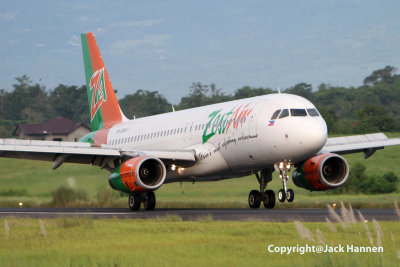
(172, 242)
(32, 183)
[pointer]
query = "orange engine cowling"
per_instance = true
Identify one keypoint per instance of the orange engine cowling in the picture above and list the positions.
(322, 172)
(138, 174)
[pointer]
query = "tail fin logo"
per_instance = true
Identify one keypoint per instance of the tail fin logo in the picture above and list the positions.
(98, 90)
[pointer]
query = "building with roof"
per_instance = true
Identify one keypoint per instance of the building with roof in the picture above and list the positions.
(57, 129)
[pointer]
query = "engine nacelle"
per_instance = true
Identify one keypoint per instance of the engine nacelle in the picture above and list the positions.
(322, 172)
(138, 174)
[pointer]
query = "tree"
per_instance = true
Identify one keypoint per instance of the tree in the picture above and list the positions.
(144, 103)
(27, 101)
(360, 182)
(70, 102)
(374, 118)
(247, 91)
(201, 95)
(385, 75)
(330, 117)
(301, 89)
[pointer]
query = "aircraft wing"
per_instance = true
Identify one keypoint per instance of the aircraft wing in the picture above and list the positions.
(367, 143)
(84, 153)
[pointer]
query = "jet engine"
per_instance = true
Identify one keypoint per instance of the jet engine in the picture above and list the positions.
(139, 174)
(322, 172)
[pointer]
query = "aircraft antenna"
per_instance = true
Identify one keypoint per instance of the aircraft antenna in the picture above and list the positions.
(173, 109)
(279, 90)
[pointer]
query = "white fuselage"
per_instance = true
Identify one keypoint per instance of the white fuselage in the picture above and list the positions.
(230, 139)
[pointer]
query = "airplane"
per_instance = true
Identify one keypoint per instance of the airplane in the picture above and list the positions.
(233, 139)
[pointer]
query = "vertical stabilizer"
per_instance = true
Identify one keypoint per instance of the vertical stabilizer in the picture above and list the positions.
(103, 103)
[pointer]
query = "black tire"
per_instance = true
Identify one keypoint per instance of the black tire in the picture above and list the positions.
(269, 201)
(254, 199)
(290, 195)
(134, 201)
(149, 200)
(281, 195)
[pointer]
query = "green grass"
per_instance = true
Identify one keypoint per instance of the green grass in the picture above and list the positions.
(36, 180)
(172, 242)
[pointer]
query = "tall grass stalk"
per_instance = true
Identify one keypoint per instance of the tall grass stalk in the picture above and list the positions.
(320, 236)
(42, 228)
(303, 231)
(364, 222)
(6, 229)
(396, 207)
(345, 214)
(335, 216)
(379, 233)
(331, 226)
(352, 216)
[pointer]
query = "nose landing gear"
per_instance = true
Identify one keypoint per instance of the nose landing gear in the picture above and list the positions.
(288, 194)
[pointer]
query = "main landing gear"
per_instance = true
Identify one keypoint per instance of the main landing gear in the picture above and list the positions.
(148, 199)
(267, 197)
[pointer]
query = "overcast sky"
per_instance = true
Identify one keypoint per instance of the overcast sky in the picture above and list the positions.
(167, 45)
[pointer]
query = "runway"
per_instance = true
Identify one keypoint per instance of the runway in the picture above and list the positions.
(276, 215)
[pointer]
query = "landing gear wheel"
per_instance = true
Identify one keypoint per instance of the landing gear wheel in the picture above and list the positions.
(254, 199)
(149, 200)
(290, 195)
(269, 199)
(281, 195)
(134, 201)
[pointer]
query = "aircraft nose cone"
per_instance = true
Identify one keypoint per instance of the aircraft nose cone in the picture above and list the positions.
(311, 136)
(316, 135)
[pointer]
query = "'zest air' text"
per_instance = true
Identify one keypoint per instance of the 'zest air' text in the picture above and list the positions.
(221, 122)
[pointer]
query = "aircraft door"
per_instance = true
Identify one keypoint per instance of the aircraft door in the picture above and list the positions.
(188, 131)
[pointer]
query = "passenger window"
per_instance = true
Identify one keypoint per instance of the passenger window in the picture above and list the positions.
(284, 113)
(275, 115)
(298, 112)
(312, 112)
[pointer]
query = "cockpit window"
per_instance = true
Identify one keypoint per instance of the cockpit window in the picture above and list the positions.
(275, 115)
(284, 113)
(298, 112)
(312, 112)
